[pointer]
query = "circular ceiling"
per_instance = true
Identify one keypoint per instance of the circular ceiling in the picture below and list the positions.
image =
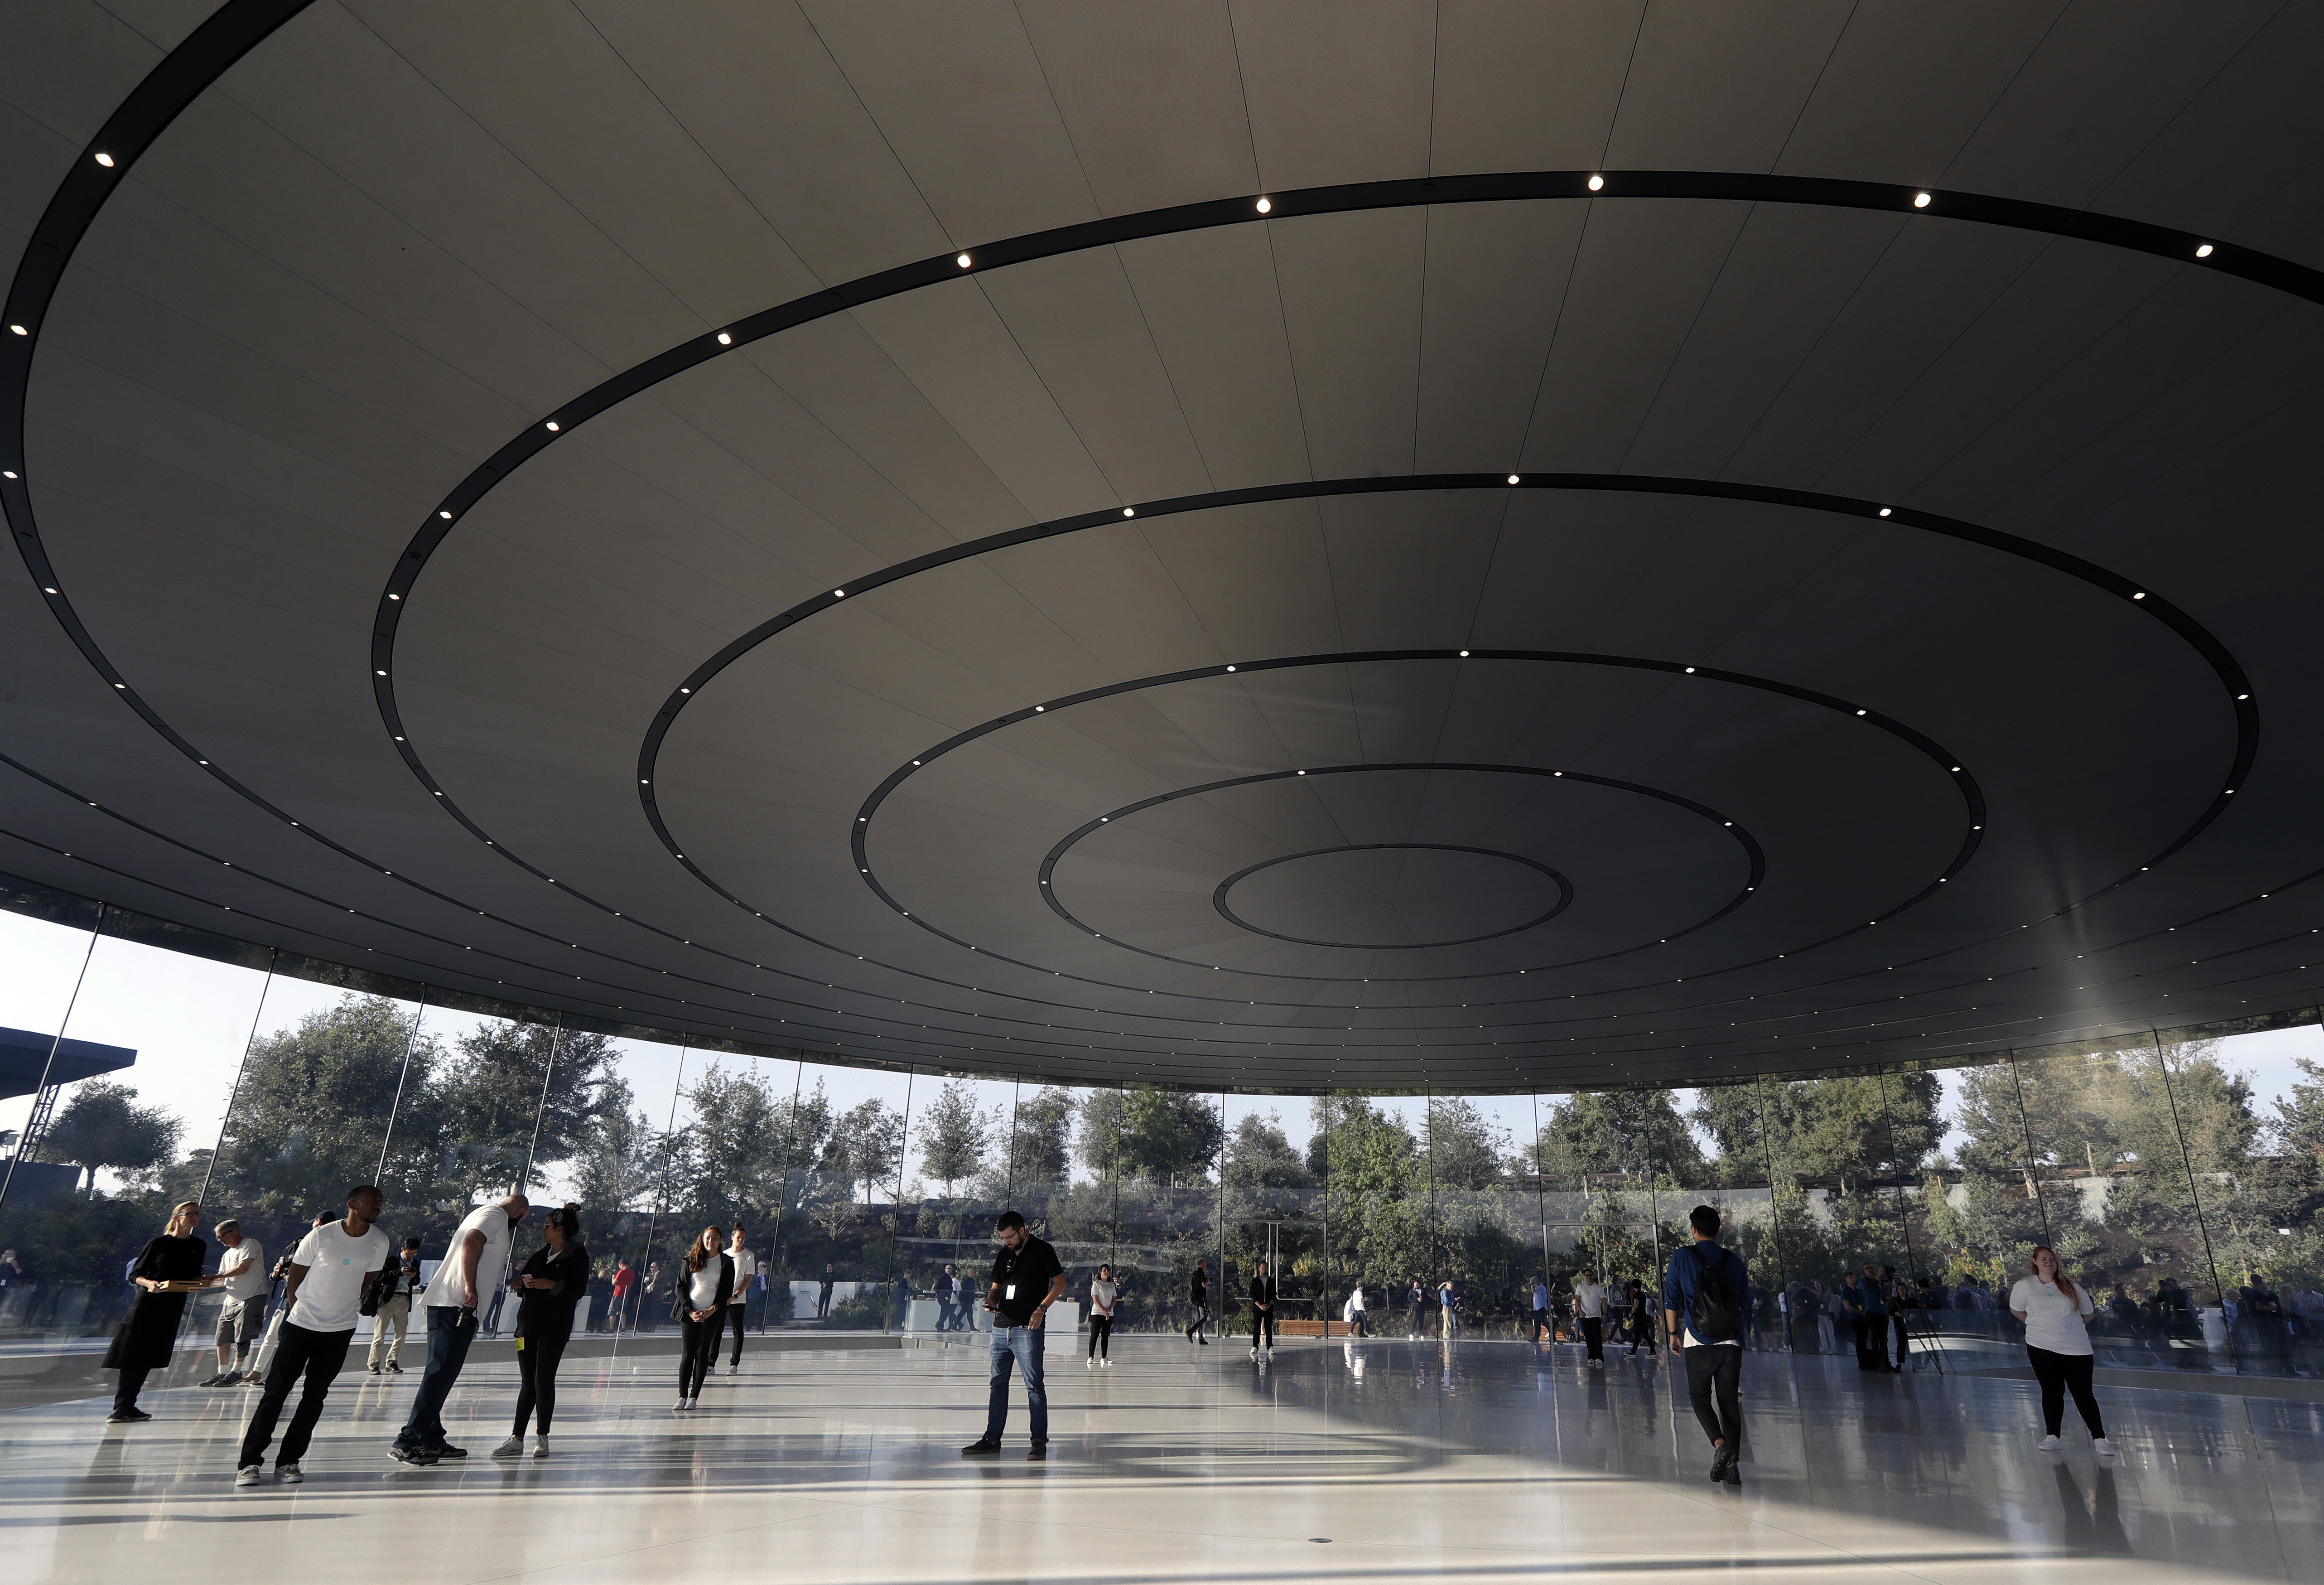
(1502, 549)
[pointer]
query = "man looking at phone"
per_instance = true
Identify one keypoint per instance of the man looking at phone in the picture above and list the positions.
(474, 1264)
(1026, 1279)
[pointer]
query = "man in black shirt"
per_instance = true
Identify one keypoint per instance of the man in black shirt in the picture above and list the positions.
(1262, 1311)
(1026, 1279)
(1198, 1294)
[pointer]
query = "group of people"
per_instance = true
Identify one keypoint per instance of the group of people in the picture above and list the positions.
(346, 1266)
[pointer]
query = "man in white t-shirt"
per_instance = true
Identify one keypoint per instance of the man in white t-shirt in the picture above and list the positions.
(1590, 1308)
(474, 1265)
(242, 1272)
(320, 1301)
(746, 1267)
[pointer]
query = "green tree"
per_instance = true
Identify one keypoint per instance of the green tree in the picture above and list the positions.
(1259, 1157)
(1040, 1138)
(508, 1080)
(738, 1146)
(953, 1132)
(1466, 1149)
(1630, 1131)
(1168, 1138)
(101, 1126)
(313, 1109)
(866, 1145)
(614, 1169)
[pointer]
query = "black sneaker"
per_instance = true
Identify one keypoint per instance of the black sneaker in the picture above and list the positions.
(393, 1369)
(1037, 1452)
(127, 1416)
(1719, 1463)
(445, 1449)
(376, 1370)
(1734, 1472)
(978, 1448)
(418, 1457)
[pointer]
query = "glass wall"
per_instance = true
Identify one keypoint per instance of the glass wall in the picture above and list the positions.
(1886, 1210)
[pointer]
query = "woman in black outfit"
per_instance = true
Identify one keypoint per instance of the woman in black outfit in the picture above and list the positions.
(704, 1286)
(168, 1269)
(552, 1283)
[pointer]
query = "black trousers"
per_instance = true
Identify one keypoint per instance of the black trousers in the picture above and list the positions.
(1715, 1370)
(1903, 1334)
(1862, 1327)
(1202, 1318)
(316, 1356)
(536, 1360)
(698, 1350)
(2059, 1373)
(736, 1314)
(1262, 1328)
(125, 1388)
(1593, 1333)
(1101, 1336)
(1540, 1326)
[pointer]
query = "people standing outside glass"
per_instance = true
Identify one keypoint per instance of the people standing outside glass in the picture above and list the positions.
(1353, 1313)
(552, 1283)
(1418, 1322)
(1262, 1311)
(1706, 1296)
(703, 1288)
(1448, 1300)
(738, 1308)
(1590, 1309)
(823, 1297)
(471, 1267)
(399, 1285)
(1900, 1301)
(1541, 1327)
(1642, 1318)
(1875, 1320)
(1851, 1306)
(2057, 1313)
(625, 1282)
(1026, 1279)
(323, 1296)
(1104, 1294)
(164, 1272)
(1198, 1294)
(242, 1320)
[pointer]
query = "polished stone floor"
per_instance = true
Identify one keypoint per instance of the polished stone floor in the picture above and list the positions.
(1383, 1460)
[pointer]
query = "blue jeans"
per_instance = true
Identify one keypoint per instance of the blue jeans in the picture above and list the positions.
(450, 1330)
(1021, 1344)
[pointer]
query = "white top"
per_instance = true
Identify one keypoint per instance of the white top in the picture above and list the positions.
(2052, 1321)
(1356, 1301)
(444, 1290)
(702, 1290)
(1103, 1296)
(1590, 1299)
(243, 1266)
(330, 1295)
(746, 1267)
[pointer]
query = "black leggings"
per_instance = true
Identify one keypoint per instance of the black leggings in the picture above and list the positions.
(736, 1314)
(1101, 1336)
(535, 1367)
(1593, 1333)
(1262, 1328)
(698, 1349)
(2058, 1373)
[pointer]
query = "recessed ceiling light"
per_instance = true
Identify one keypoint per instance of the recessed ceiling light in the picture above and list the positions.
(1920, 200)
(725, 339)
(19, 330)
(1303, 773)
(394, 595)
(7, 473)
(1130, 512)
(1859, 712)
(1038, 708)
(2204, 251)
(1884, 512)
(552, 426)
(961, 259)
(1956, 769)
(2238, 695)
(2140, 596)
(381, 674)
(1464, 654)
(1689, 671)
(444, 515)
(1596, 182)
(106, 161)
(839, 593)
(1513, 478)
(1264, 204)
(45, 590)
(1229, 668)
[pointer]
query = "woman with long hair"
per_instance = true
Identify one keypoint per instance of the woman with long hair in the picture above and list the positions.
(1104, 1294)
(2057, 1315)
(703, 1289)
(551, 1283)
(166, 1270)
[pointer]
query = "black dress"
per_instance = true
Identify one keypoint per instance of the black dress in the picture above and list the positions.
(146, 1338)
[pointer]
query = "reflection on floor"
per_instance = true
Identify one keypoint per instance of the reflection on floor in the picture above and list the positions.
(1375, 1461)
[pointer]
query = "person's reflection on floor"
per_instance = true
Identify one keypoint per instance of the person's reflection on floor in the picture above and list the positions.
(1355, 1359)
(2091, 1525)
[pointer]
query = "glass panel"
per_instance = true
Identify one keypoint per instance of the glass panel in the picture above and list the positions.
(960, 1164)
(1487, 1220)
(1273, 1208)
(1166, 1145)
(1982, 1208)
(1382, 1233)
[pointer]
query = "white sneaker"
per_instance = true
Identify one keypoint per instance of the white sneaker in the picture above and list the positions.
(1105, 1364)
(508, 1448)
(251, 1475)
(681, 1407)
(733, 1370)
(1254, 1353)
(290, 1474)
(540, 1445)
(2102, 1447)
(2049, 1444)
(693, 1403)
(1090, 1363)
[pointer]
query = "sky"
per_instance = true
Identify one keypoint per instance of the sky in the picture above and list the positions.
(189, 1019)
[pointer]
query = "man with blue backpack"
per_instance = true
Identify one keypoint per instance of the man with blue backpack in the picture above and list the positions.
(1706, 1295)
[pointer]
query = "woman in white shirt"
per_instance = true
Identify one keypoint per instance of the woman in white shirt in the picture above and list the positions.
(2057, 1314)
(1353, 1313)
(1590, 1306)
(704, 1286)
(1104, 1294)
